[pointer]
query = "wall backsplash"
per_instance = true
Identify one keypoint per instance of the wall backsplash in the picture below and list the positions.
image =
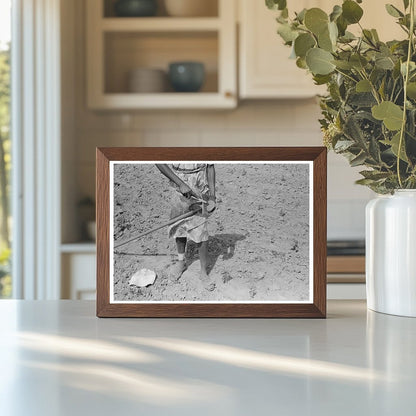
(288, 123)
(254, 123)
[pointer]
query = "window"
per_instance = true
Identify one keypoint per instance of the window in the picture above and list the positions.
(5, 145)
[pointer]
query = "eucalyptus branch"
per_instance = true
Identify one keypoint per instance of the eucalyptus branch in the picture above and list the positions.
(346, 75)
(370, 64)
(373, 88)
(398, 95)
(392, 91)
(406, 80)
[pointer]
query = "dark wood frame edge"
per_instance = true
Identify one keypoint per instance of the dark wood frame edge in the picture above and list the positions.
(205, 310)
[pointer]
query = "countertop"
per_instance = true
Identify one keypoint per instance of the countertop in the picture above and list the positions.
(57, 358)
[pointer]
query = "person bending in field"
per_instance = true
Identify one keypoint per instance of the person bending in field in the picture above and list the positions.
(194, 183)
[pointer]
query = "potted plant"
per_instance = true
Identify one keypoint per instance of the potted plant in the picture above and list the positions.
(368, 116)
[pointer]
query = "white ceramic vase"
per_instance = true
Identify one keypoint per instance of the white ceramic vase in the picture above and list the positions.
(391, 253)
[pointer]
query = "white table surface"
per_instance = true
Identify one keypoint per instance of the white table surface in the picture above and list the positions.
(56, 358)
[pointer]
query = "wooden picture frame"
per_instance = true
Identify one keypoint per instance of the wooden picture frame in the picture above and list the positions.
(315, 157)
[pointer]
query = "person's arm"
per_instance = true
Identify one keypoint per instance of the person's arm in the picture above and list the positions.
(184, 189)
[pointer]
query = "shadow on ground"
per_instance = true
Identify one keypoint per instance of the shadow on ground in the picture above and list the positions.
(219, 245)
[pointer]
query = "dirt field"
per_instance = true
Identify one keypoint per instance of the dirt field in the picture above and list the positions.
(259, 245)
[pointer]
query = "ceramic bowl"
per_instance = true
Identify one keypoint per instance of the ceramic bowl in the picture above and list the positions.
(186, 76)
(147, 80)
(135, 8)
(191, 8)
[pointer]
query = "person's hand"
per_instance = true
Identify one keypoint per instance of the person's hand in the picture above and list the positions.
(211, 205)
(185, 190)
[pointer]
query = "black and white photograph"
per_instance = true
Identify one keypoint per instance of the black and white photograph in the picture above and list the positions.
(211, 232)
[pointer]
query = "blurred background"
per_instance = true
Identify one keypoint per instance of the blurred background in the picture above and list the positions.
(145, 73)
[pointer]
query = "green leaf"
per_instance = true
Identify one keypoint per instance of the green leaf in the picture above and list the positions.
(325, 42)
(358, 61)
(316, 20)
(342, 25)
(320, 61)
(375, 35)
(351, 11)
(276, 4)
(412, 67)
(363, 86)
(368, 36)
(301, 15)
(347, 37)
(321, 79)
(344, 65)
(281, 19)
(336, 12)
(353, 131)
(374, 150)
(365, 182)
(406, 4)
(358, 160)
(382, 89)
(411, 90)
(394, 145)
(287, 33)
(374, 174)
(362, 99)
(301, 63)
(384, 62)
(396, 70)
(303, 43)
(388, 112)
(343, 145)
(333, 32)
(393, 11)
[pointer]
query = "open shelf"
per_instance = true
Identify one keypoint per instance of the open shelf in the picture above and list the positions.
(119, 45)
(210, 6)
(85, 247)
(160, 24)
(168, 100)
(126, 51)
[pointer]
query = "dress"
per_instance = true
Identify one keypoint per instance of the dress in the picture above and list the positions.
(194, 228)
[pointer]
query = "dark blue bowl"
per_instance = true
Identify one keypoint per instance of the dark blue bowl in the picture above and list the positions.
(186, 76)
(135, 8)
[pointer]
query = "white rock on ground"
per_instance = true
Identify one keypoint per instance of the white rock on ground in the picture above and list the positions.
(143, 278)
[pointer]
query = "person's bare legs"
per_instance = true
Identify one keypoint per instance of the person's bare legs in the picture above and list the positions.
(203, 258)
(180, 266)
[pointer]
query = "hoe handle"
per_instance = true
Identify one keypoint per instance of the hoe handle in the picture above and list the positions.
(170, 222)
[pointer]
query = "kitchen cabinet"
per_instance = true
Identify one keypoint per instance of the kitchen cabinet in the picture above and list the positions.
(118, 45)
(78, 262)
(265, 69)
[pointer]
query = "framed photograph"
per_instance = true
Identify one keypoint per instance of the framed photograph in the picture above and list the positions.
(211, 232)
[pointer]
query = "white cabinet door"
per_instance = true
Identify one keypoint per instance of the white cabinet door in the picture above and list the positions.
(78, 276)
(265, 68)
(376, 17)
